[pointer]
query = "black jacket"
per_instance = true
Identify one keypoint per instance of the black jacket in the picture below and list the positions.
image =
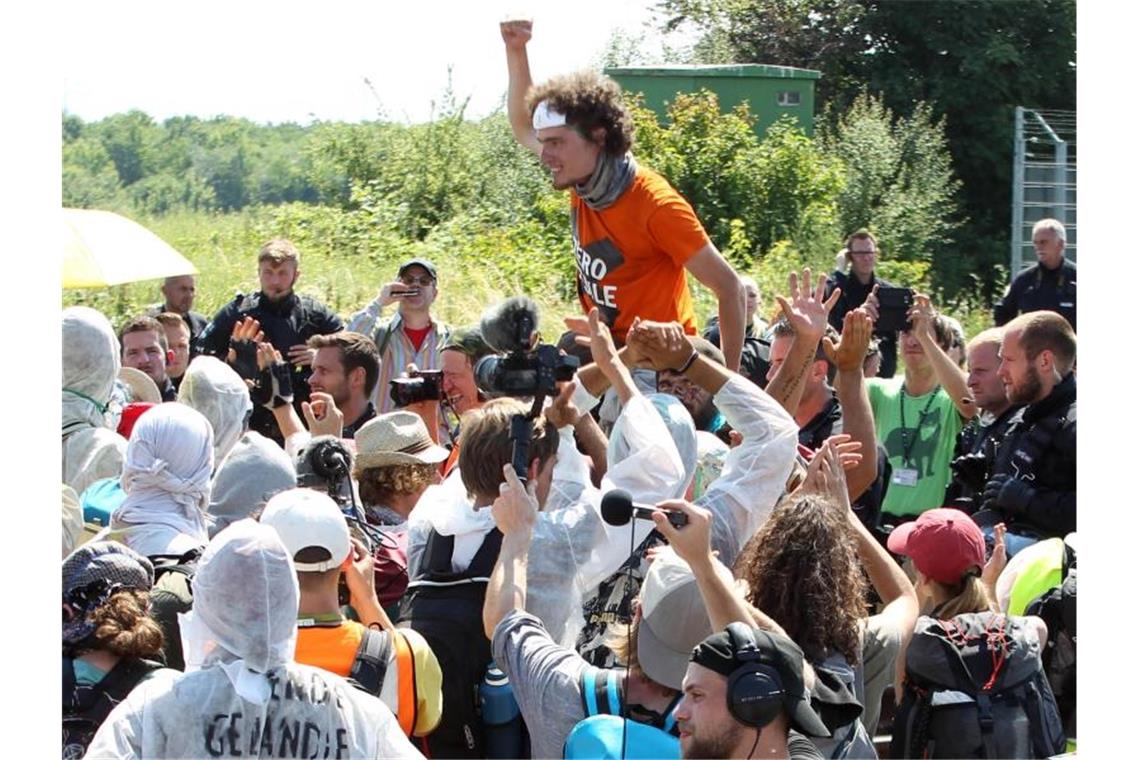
(1041, 289)
(854, 293)
(1041, 448)
(287, 323)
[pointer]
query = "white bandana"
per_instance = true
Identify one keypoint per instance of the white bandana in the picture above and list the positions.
(545, 117)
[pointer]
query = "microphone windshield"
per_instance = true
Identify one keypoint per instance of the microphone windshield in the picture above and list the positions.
(617, 507)
(508, 325)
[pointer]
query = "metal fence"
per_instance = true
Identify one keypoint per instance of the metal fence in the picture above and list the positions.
(1044, 180)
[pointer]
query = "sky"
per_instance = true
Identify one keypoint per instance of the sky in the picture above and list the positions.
(276, 62)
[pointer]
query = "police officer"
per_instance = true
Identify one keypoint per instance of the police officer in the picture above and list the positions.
(1033, 488)
(861, 253)
(286, 318)
(1049, 286)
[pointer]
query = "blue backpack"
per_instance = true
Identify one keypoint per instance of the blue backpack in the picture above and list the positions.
(603, 731)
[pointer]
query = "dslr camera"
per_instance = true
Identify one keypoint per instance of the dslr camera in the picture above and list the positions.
(525, 368)
(423, 385)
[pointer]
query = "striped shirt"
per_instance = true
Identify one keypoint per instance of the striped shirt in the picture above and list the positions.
(399, 351)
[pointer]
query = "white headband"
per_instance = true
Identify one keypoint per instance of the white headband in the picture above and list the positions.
(545, 117)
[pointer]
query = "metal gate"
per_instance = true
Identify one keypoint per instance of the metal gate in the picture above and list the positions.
(1044, 180)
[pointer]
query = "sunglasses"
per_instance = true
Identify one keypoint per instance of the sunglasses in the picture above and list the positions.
(422, 281)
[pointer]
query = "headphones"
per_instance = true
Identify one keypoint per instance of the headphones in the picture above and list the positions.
(755, 691)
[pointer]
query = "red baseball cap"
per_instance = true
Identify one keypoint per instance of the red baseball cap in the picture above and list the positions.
(944, 544)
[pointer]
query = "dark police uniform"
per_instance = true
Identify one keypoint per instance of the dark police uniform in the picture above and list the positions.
(1041, 289)
(289, 322)
(854, 293)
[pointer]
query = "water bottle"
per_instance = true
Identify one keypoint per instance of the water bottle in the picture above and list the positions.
(504, 723)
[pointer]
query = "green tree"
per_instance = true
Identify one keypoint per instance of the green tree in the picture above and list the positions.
(972, 61)
(899, 178)
(129, 140)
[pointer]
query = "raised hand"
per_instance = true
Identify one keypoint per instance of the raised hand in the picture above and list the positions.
(322, 415)
(826, 472)
(301, 355)
(692, 542)
(921, 316)
(871, 305)
(593, 332)
(997, 561)
(516, 32)
(242, 355)
(849, 353)
(561, 412)
(662, 344)
(516, 509)
(807, 311)
(396, 291)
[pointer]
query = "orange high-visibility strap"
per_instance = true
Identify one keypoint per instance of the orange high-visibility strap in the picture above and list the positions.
(405, 684)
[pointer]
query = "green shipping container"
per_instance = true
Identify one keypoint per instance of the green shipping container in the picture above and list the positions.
(771, 91)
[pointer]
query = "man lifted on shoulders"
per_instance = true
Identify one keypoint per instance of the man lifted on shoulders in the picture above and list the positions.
(634, 235)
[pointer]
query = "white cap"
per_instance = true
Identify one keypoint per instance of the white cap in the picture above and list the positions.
(545, 117)
(304, 518)
(673, 617)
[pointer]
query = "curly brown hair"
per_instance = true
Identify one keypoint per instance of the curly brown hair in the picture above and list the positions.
(379, 484)
(123, 626)
(803, 571)
(588, 100)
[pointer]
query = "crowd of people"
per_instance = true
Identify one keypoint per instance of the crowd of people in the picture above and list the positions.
(291, 534)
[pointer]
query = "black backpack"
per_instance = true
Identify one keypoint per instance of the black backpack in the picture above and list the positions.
(1058, 608)
(170, 595)
(446, 608)
(975, 688)
(86, 707)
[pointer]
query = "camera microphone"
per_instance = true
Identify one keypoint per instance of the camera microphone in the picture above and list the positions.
(324, 459)
(618, 508)
(509, 325)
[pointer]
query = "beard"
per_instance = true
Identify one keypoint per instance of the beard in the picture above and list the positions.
(1025, 392)
(718, 744)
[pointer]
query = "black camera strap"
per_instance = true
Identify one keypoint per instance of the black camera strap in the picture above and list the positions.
(909, 438)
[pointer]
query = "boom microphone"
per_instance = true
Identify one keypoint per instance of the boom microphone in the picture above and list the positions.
(618, 508)
(507, 326)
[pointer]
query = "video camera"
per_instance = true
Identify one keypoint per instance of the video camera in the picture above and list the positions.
(527, 368)
(423, 385)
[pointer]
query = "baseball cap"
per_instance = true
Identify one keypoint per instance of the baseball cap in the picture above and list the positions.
(305, 518)
(673, 618)
(719, 654)
(468, 341)
(944, 544)
(417, 262)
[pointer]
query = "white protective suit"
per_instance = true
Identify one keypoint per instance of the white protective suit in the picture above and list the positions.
(72, 521)
(92, 450)
(255, 469)
(213, 388)
(751, 482)
(572, 548)
(242, 695)
(166, 477)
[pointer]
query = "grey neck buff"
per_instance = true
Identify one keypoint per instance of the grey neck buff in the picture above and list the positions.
(611, 177)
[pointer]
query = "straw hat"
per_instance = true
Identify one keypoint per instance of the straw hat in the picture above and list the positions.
(143, 388)
(395, 438)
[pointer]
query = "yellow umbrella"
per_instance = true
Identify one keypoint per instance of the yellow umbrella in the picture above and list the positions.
(101, 248)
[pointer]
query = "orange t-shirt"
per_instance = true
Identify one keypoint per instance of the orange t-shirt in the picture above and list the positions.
(631, 256)
(331, 648)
